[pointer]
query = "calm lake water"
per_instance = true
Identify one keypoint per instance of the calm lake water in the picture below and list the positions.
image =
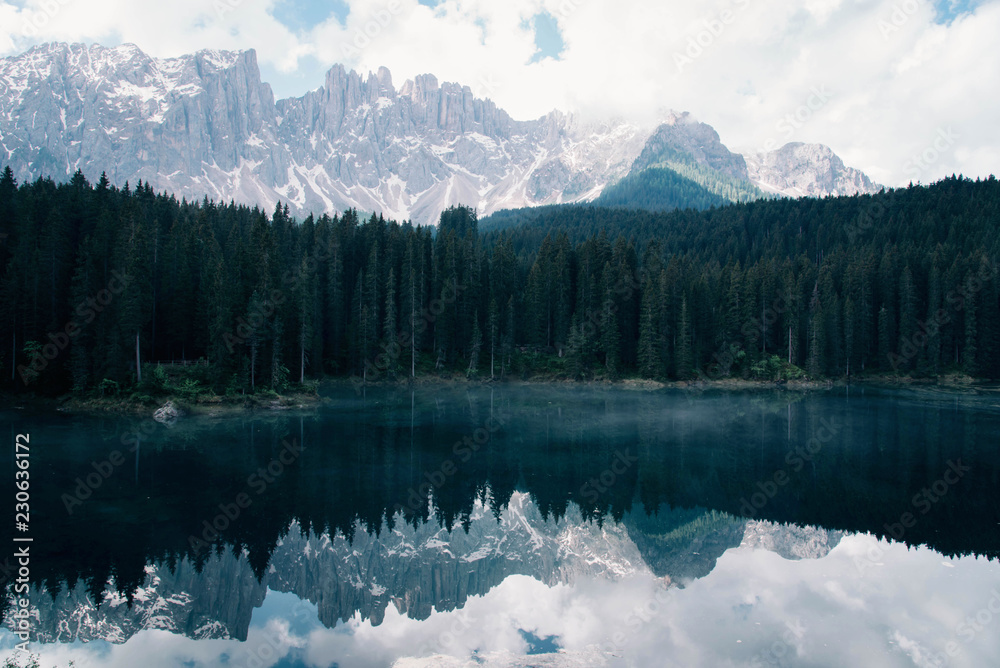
(520, 526)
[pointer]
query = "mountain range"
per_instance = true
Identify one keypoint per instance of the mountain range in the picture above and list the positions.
(206, 125)
(418, 569)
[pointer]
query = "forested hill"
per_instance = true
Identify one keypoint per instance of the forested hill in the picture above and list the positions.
(94, 278)
(955, 209)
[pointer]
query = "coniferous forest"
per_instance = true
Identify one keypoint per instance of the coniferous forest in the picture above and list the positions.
(101, 284)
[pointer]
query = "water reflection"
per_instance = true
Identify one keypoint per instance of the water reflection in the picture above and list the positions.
(608, 525)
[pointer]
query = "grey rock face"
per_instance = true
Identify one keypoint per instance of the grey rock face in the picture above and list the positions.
(179, 123)
(206, 125)
(789, 540)
(416, 570)
(167, 414)
(683, 137)
(800, 170)
(217, 602)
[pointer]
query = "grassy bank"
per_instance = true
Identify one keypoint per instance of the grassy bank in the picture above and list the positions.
(187, 388)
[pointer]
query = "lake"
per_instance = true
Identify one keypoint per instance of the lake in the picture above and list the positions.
(519, 526)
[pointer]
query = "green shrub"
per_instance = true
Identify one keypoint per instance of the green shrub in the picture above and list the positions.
(773, 368)
(109, 387)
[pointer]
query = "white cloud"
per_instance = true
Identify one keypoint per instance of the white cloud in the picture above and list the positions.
(897, 79)
(847, 608)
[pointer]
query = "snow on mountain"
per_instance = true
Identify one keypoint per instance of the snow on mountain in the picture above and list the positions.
(416, 569)
(806, 170)
(206, 125)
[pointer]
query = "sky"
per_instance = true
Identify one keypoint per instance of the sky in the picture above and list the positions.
(906, 90)
(867, 603)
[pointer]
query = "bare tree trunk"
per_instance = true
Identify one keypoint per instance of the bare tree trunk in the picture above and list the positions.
(138, 365)
(253, 365)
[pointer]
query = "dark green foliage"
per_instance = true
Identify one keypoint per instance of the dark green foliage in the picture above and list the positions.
(94, 277)
(659, 189)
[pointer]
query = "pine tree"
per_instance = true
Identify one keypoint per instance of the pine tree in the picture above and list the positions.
(817, 336)
(934, 338)
(475, 345)
(970, 352)
(390, 336)
(685, 349)
(650, 355)
(850, 316)
(278, 371)
(907, 318)
(988, 321)
(580, 348)
(305, 301)
(493, 333)
(885, 351)
(254, 337)
(135, 301)
(610, 336)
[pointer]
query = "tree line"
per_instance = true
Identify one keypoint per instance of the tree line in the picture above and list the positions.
(100, 283)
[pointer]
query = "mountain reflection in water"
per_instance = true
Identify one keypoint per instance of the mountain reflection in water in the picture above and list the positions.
(578, 521)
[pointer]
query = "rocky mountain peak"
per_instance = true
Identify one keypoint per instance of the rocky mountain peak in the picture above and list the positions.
(205, 124)
(681, 138)
(799, 170)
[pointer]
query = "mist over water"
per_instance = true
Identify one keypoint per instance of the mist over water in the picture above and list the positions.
(716, 528)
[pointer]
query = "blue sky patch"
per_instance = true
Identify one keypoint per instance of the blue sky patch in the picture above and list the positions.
(548, 38)
(538, 645)
(947, 11)
(302, 15)
(309, 74)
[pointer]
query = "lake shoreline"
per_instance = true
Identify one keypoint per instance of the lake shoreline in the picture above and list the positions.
(221, 406)
(956, 382)
(205, 405)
